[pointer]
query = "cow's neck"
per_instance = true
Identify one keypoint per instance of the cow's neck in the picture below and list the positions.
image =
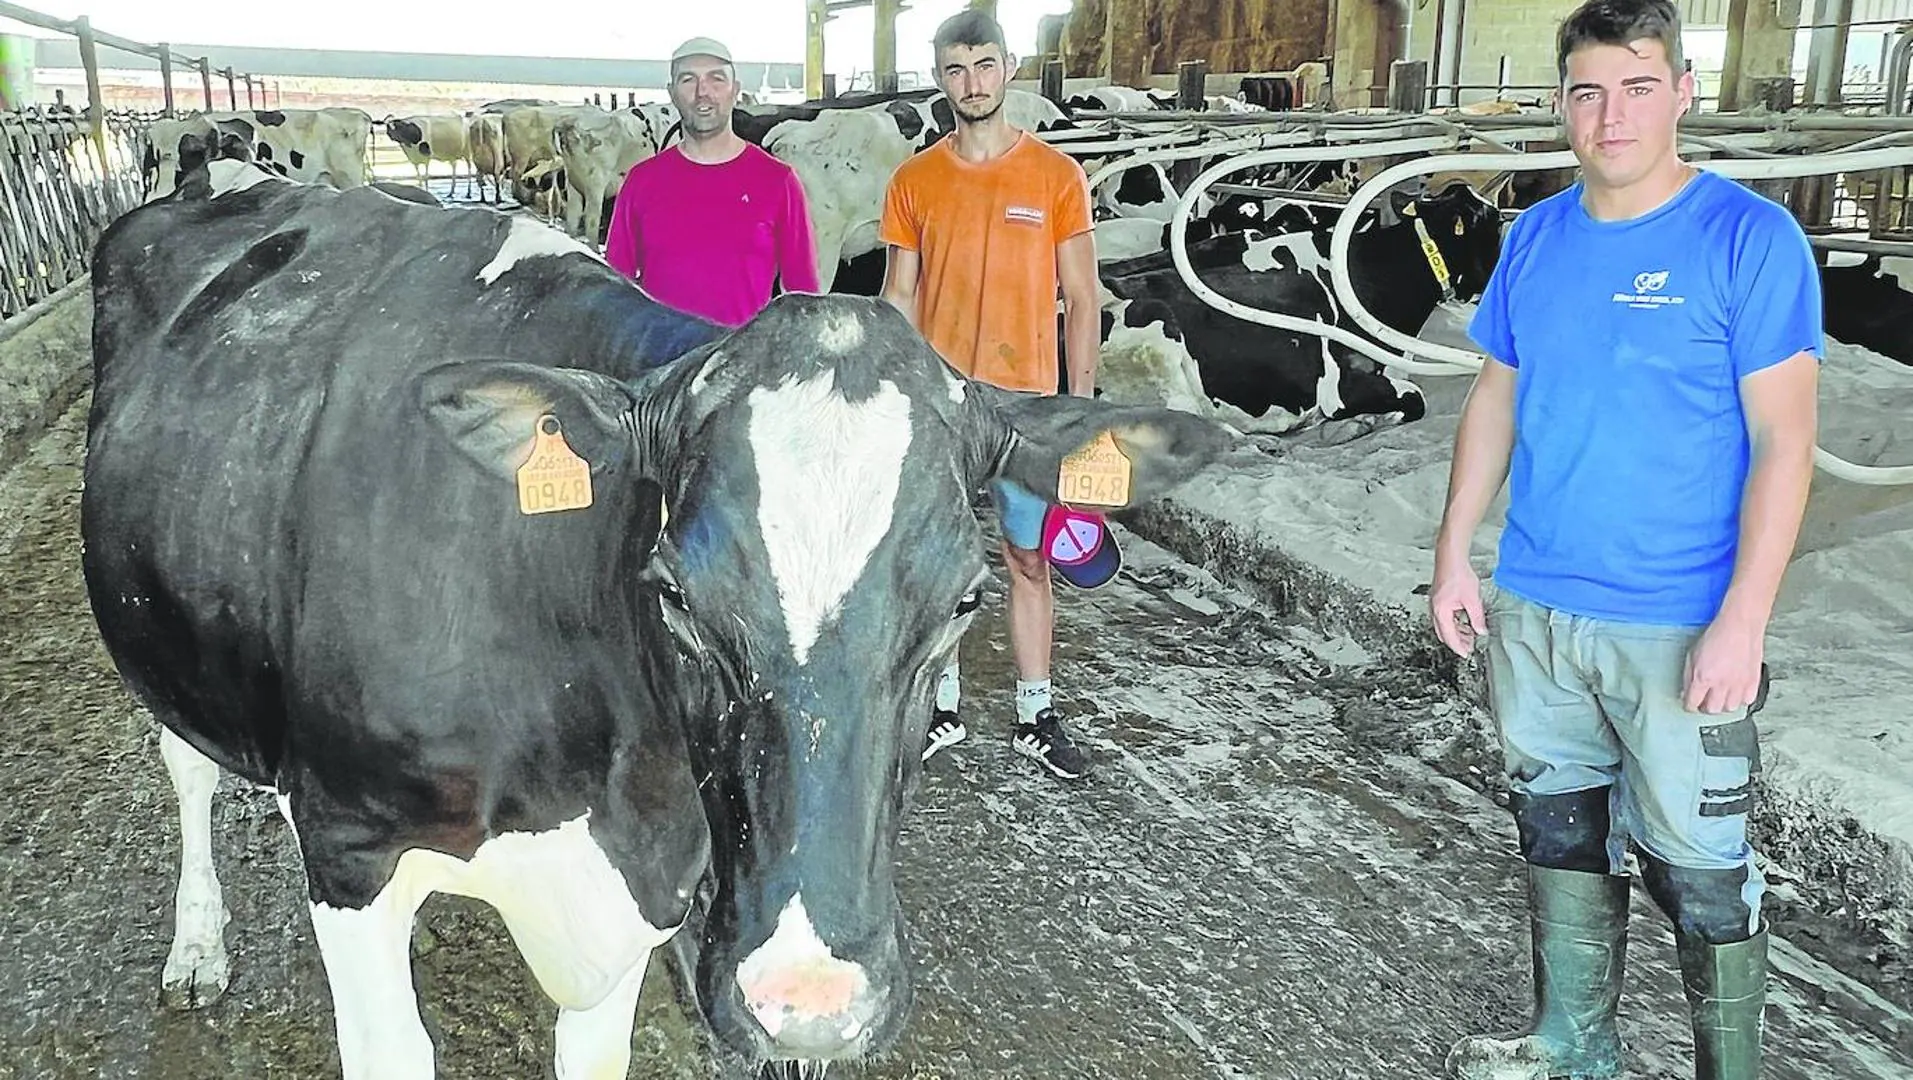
(1393, 276)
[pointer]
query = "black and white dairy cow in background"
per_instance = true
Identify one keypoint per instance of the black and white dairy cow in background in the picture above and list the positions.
(312, 146)
(1266, 379)
(511, 583)
(844, 153)
(429, 137)
(1867, 300)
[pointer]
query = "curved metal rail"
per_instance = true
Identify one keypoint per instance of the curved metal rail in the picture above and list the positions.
(1179, 242)
(1448, 360)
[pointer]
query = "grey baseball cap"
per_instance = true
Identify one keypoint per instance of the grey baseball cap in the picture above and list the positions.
(702, 46)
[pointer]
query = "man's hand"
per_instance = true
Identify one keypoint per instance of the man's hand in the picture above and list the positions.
(1723, 667)
(1457, 591)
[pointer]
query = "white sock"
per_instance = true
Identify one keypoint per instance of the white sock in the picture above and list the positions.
(948, 691)
(1032, 697)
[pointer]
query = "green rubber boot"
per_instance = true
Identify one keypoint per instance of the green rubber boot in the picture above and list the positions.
(1726, 989)
(1579, 922)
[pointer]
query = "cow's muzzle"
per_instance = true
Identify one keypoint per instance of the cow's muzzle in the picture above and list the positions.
(810, 1002)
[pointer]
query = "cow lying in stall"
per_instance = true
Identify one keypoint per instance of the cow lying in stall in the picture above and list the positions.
(511, 583)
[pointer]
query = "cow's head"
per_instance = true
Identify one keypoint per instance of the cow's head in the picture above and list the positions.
(1463, 225)
(818, 564)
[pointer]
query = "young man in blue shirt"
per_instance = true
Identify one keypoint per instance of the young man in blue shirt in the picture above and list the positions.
(1654, 340)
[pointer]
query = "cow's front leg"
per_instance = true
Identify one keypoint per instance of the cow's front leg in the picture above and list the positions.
(368, 965)
(595, 1043)
(196, 969)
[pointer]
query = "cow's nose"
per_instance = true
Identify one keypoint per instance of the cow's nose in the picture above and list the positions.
(811, 1003)
(814, 1009)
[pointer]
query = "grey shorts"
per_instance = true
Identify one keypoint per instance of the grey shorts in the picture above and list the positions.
(1584, 703)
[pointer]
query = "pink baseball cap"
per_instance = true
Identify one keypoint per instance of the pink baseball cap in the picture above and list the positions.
(1081, 547)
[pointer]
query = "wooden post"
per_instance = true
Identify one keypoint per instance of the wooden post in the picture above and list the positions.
(232, 96)
(1192, 83)
(1731, 60)
(1408, 86)
(1053, 81)
(166, 75)
(815, 12)
(249, 102)
(883, 47)
(206, 81)
(95, 108)
(830, 87)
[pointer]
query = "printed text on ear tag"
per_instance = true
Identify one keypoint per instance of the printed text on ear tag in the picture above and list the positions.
(1095, 475)
(553, 478)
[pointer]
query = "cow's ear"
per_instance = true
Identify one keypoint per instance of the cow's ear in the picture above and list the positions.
(1161, 447)
(492, 411)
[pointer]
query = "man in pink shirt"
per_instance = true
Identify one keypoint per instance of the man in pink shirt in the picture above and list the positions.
(708, 225)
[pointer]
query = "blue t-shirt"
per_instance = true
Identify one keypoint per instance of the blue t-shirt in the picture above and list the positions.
(1629, 340)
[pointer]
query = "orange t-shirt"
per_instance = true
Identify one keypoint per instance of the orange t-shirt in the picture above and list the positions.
(987, 236)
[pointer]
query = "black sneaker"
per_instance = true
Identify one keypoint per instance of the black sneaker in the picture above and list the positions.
(1047, 742)
(946, 730)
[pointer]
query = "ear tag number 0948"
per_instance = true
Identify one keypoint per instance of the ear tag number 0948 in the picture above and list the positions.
(1097, 474)
(554, 478)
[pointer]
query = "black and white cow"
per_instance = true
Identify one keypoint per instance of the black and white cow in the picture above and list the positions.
(1259, 369)
(708, 648)
(314, 146)
(1868, 301)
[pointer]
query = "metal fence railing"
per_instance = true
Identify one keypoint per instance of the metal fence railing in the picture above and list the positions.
(60, 187)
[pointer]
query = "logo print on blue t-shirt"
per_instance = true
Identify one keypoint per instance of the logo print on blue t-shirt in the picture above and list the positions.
(1647, 284)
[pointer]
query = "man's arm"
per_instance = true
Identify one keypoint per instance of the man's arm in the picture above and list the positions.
(901, 269)
(1782, 410)
(796, 245)
(1082, 313)
(1483, 446)
(621, 249)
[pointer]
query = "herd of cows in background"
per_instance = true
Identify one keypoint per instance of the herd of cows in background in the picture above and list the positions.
(1161, 343)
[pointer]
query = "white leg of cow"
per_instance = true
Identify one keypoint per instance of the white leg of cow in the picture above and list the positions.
(595, 1043)
(196, 969)
(368, 965)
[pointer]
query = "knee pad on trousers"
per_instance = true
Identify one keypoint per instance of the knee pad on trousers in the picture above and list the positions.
(1564, 832)
(1708, 904)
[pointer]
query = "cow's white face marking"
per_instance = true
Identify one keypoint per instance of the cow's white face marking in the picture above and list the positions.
(828, 473)
(840, 333)
(228, 176)
(766, 975)
(529, 239)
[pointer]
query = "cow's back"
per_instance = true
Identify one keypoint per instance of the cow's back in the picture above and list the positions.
(268, 517)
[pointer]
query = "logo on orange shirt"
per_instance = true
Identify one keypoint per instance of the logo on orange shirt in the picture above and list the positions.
(1028, 215)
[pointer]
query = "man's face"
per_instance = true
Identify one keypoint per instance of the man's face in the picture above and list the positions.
(704, 89)
(1622, 106)
(974, 78)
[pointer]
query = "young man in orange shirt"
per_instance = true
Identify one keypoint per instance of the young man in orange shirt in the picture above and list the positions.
(981, 228)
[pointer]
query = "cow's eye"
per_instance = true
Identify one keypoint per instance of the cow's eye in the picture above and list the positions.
(970, 602)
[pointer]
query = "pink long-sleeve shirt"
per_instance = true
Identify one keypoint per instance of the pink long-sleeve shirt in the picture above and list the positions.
(711, 239)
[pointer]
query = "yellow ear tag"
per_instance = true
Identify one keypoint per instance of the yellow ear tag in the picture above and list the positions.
(1095, 475)
(554, 477)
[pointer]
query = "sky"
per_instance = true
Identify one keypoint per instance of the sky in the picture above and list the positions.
(755, 30)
